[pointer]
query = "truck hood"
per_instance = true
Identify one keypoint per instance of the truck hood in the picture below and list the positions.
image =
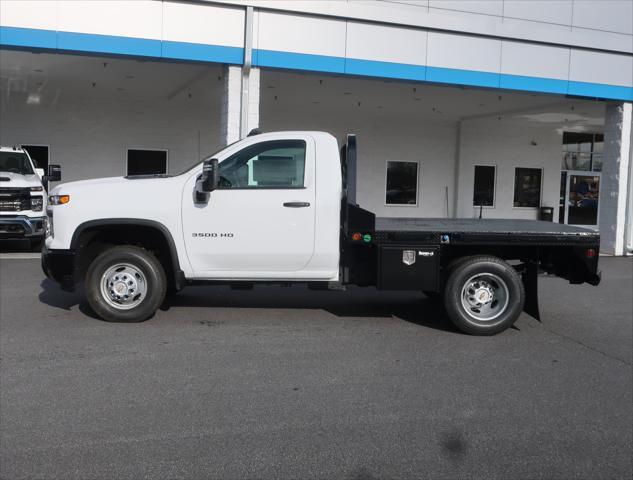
(157, 199)
(124, 183)
(121, 196)
(15, 180)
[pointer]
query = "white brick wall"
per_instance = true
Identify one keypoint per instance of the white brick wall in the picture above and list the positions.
(382, 138)
(89, 136)
(507, 143)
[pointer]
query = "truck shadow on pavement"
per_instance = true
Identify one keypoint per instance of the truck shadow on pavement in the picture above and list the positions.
(412, 307)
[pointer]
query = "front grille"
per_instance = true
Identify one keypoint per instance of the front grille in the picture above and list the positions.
(15, 199)
(12, 229)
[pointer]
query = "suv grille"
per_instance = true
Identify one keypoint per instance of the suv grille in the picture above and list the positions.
(15, 199)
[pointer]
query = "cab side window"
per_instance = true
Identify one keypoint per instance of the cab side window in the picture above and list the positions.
(273, 164)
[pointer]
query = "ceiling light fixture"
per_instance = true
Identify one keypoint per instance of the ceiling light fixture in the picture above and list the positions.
(33, 99)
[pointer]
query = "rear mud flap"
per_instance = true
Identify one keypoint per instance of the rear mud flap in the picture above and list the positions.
(530, 282)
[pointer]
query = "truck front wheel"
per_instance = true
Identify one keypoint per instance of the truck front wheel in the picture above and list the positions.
(125, 284)
(484, 295)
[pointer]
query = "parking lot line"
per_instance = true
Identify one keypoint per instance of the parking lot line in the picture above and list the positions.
(19, 256)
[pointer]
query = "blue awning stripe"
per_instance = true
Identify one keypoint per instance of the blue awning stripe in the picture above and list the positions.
(28, 38)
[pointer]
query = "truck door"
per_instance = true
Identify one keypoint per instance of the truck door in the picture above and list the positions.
(259, 223)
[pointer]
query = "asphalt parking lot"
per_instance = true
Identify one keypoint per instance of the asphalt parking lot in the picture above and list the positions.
(290, 383)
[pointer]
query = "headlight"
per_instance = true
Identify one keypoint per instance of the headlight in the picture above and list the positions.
(36, 189)
(37, 203)
(49, 224)
(58, 199)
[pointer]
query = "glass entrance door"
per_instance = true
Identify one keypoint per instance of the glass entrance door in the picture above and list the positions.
(581, 198)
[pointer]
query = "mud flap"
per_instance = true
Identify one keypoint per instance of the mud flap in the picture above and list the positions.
(530, 282)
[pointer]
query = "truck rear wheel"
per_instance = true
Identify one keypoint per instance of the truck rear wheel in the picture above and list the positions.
(484, 295)
(125, 284)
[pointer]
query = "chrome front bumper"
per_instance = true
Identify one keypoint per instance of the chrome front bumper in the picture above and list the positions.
(20, 226)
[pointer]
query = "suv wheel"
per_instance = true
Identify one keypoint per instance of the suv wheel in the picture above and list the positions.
(125, 284)
(484, 295)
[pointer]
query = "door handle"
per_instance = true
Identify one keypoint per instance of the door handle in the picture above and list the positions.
(296, 204)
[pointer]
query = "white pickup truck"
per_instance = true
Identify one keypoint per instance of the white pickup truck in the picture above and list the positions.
(280, 207)
(22, 196)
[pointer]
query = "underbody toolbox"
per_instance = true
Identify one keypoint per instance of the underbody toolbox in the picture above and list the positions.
(408, 267)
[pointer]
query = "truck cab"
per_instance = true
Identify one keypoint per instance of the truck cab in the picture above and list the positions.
(273, 215)
(281, 207)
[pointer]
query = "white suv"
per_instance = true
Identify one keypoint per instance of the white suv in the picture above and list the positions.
(22, 196)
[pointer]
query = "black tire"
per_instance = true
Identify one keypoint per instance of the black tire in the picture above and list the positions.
(498, 285)
(151, 277)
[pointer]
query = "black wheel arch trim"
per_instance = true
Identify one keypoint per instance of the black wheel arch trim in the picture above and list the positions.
(179, 276)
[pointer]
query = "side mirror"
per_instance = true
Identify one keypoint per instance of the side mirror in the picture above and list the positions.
(54, 173)
(209, 175)
(40, 172)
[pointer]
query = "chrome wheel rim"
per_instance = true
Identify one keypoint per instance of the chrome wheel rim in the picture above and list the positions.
(123, 286)
(485, 297)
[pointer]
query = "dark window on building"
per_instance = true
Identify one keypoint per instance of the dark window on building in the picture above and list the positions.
(39, 155)
(402, 183)
(527, 187)
(273, 164)
(146, 162)
(484, 191)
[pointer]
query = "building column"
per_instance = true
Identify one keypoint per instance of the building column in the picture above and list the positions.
(231, 110)
(240, 95)
(615, 190)
(252, 110)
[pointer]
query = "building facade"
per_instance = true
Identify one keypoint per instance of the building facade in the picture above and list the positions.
(462, 108)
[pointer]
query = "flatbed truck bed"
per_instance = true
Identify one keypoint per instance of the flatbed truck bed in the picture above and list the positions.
(469, 231)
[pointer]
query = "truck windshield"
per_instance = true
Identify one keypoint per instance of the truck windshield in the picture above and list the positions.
(15, 162)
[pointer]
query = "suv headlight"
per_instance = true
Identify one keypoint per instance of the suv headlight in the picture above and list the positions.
(37, 203)
(48, 222)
